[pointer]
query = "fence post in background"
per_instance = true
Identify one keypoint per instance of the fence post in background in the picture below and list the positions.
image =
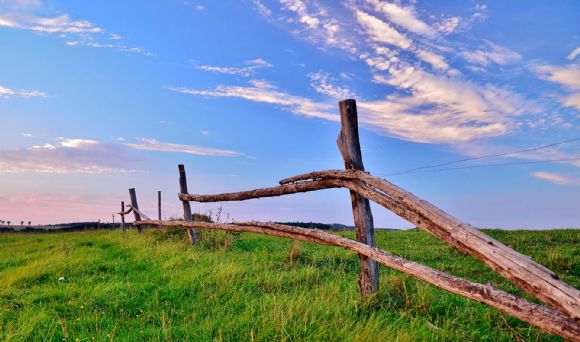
(159, 205)
(349, 146)
(122, 216)
(191, 233)
(134, 204)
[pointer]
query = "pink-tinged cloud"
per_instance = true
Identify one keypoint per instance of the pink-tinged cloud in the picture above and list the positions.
(67, 156)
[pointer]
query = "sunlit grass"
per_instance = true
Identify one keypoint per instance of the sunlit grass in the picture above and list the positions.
(244, 287)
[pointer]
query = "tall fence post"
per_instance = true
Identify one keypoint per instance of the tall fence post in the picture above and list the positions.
(191, 233)
(134, 204)
(349, 146)
(159, 205)
(122, 216)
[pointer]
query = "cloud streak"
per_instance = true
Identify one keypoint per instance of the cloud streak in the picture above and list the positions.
(6, 93)
(264, 92)
(66, 156)
(556, 178)
(250, 68)
(147, 144)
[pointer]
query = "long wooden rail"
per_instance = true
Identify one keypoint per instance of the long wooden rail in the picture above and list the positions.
(519, 269)
(529, 312)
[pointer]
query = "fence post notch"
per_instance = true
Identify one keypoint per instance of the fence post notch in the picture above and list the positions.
(134, 204)
(187, 216)
(349, 146)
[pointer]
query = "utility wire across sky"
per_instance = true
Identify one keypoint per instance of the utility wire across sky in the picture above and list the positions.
(431, 168)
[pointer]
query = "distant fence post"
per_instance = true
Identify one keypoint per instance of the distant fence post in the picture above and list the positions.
(122, 216)
(159, 205)
(349, 146)
(135, 205)
(191, 233)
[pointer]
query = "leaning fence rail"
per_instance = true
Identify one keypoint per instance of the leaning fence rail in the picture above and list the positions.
(562, 318)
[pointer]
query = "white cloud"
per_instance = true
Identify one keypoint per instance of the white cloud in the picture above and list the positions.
(26, 135)
(491, 53)
(435, 60)
(304, 16)
(572, 56)
(78, 143)
(567, 76)
(380, 31)
(322, 82)
(66, 156)
(9, 92)
(200, 8)
(556, 178)
(442, 109)
(248, 70)
(405, 17)
(262, 9)
(75, 32)
(448, 25)
(154, 145)
(264, 92)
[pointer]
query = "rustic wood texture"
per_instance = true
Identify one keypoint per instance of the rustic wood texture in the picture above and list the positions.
(542, 317)
(142, 215)
(187, 216)
(135, 205)
(264, 192)
(349, 146)
(520, 269)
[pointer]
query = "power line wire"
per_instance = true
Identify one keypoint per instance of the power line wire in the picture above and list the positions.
(483, 157)
(485, 165)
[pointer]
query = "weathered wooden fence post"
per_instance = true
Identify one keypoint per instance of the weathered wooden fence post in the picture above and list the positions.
(122, 216)
(349, 146)
(191, 233)
(159, 205)
(134, 204)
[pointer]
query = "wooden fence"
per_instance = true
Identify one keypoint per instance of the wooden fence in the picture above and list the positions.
(561, 316)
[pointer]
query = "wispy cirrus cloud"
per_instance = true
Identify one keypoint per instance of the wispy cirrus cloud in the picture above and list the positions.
(21, 15)
(433, 101)
(148, 144)
(89, 156)
(491, 53)
(556, 178)
(66, 156)
(264, 92)
(405, 17)
(572, 56)
(568, 76)
(323, 83)
(248, 69)
(6, 93)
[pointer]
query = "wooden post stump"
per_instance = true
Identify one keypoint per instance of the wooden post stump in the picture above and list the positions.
(191, 233)
(349, 146)
(122, 216)
(134, 204)
(159, 205)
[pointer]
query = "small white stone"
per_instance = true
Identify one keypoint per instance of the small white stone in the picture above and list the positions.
(61, 279)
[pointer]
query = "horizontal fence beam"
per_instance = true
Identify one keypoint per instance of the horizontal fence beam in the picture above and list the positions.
(526, 311)
(517, 268)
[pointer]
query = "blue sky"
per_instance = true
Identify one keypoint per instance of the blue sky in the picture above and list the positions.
(96, 98)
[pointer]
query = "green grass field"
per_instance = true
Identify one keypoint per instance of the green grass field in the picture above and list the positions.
(249, 287)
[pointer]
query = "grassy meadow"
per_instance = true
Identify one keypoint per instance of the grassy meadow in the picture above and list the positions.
(248, 287)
